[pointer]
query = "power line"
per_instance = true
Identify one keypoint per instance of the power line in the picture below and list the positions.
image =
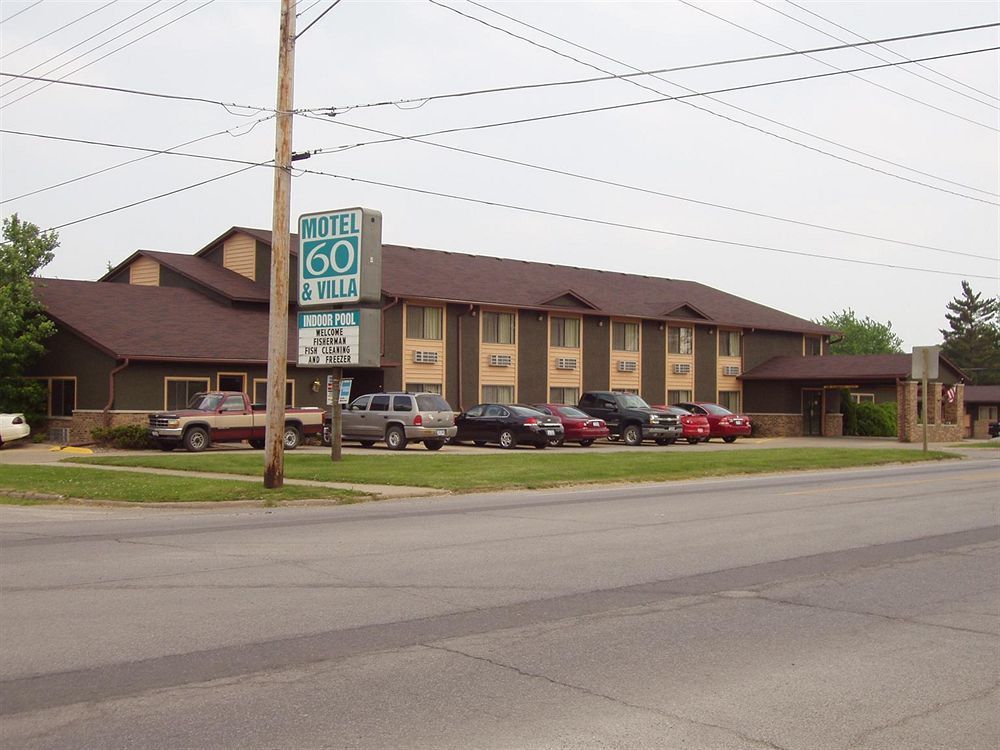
(648, 191)
(137, 159)
(92, 36)
(161, 195)
(612, 107)
(118, 49)
(23, 10)
(636, 227)
(638, 73)
(333, 5)
(887, 49)
(868, 52)
(526, 209)
(56, 31)
(852, 73)
(724, 103)
(138, 92)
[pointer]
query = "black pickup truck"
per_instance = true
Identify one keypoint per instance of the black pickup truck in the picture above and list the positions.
(630, 418)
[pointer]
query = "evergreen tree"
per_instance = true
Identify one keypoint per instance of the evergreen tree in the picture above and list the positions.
(972, 340)
(23, 325)
(861, 336)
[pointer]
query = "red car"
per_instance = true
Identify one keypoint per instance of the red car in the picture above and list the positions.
(579, 427)
(696, 426)
(722, 422)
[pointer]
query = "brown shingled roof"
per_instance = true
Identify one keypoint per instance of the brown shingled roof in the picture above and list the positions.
(982, 394)
(842, 367)
(477, 279)
(228, 283)
(147, 322)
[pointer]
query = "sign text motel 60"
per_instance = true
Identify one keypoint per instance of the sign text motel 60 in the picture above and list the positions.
(340, 257)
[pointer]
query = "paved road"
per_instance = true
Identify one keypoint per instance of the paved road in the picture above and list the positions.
(832, 610)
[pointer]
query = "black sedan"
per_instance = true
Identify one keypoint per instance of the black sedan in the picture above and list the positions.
(508, 425)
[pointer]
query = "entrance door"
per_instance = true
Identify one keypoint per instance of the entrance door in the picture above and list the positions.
(812, 411)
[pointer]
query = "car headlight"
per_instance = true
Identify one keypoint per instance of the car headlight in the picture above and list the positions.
(173, 423)
(653, 419)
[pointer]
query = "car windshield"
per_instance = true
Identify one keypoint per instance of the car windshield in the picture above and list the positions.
(572, 412)
(205, 401)
(631, 401)
(677, 410)
(715, 409)
(431, 402)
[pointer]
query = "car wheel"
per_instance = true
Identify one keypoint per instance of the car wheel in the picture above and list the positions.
(693, 441)
(395, 438)
(367, 443)
(196, 440)
(586, 443)
(256, 443)
(291, 437)
(479, 443)
(632, 435)
(433, 445)
(507, 439)
(557, 442)
(540, 446)
(163, 445)
(729, 439)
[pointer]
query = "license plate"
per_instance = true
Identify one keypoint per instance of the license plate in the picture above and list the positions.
(550, 433)
(154, 433)
(441, 432)
(737, 422)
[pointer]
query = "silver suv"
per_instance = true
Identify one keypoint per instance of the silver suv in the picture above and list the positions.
(398, 419)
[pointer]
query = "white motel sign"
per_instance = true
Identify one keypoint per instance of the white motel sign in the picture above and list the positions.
(340, 257)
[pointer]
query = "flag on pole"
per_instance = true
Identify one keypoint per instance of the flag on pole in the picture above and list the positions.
(950, 395)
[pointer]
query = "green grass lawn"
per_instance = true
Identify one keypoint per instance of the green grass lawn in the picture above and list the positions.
(523, 470)
(95, 484)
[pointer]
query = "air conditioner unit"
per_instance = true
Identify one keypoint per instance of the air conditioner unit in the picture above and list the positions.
(501, 360)
(627, 365)
(731, 371)
(425, 358)
(682, 368)
(566, 363)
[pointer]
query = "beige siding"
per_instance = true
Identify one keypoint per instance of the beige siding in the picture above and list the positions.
(492, 374)
(626, 380)
(414, 372)
(144, 272)
(730, 382)
(680, 382)
(239, 254)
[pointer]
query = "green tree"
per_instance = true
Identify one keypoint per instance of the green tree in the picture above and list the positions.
(861, 336)
(972, 339)
(23, 325)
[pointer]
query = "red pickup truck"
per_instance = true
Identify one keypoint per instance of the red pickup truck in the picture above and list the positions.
(228, 417)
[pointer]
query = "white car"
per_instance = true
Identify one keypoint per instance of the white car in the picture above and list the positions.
(13, 427)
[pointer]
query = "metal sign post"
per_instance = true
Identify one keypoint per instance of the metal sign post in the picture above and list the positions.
(924, 365)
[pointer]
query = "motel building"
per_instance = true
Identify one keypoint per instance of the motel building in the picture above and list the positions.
(160, 327)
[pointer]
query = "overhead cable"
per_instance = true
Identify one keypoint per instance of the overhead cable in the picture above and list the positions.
(727, 118)
(635, 188)
(23, 10)
(987, 94)
(333, 5)
(852, 73)
(117, 49)
(908, 71)
(64, 26)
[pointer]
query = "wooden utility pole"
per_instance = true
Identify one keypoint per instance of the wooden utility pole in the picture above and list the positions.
(277, 333)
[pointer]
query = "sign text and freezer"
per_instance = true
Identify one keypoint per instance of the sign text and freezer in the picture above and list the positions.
(332, 338)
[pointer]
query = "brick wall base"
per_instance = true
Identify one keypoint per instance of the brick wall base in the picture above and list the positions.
(83, 422)
(776, 425)
(833, 425)
(936, 433)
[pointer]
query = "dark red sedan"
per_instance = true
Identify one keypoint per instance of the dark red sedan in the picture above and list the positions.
(579, 427)
(696, 426)
(722, 422)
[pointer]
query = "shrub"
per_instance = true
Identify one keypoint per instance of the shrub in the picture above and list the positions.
(126, 437)
(877, 420)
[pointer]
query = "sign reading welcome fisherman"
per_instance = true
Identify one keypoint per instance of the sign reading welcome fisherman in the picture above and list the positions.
(340, 257)
(339, 338)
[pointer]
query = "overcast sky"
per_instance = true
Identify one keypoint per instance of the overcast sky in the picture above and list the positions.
(898, 128)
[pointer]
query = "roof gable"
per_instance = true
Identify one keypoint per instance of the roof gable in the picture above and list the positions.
(687, 311)
(568, 298)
